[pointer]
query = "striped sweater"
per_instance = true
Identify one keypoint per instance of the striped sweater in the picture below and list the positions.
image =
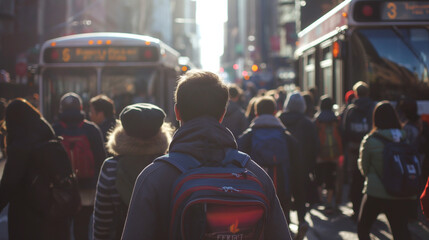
(107, 202)
(131, 155)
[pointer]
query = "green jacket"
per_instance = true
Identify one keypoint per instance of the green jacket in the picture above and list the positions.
(371, 162)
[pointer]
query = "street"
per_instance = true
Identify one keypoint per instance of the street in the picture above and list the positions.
(335, 226)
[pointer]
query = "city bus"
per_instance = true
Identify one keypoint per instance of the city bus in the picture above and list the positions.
(128, 68)
(384, 43)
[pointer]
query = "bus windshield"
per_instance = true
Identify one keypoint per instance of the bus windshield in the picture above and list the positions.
(125, 85)
(393, 60)
(130, 85)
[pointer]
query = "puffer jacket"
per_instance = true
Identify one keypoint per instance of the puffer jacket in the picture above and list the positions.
(370, 162)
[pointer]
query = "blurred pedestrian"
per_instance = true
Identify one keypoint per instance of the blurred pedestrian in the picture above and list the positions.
(330, 150)
(27, 129)
(274, 149)
(139, 137)
(376, 199)
(304, 130)
(102, 113)
(3, 105)
(250, 111)
(356, 123)
(201, 100)
(84, 143)
(310, 109)
(235, 119)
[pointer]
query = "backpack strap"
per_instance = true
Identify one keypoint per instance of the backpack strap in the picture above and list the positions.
(235, 156)
(184, 162)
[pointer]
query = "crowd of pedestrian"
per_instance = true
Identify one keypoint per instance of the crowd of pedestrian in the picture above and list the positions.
(137, 177)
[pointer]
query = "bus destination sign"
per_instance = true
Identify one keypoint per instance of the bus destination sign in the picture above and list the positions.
(100, 54)
(403, 11)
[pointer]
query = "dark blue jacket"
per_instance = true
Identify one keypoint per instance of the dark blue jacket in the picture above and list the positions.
(206, 140)
(304, 130)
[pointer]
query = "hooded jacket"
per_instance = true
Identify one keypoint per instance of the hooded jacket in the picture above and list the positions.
(207, 141)
(26, 129)
(302, 128)
(370, 162)
(133, 155)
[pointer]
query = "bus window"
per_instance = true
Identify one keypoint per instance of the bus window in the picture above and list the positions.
(326, 66)
(394, 60)
(310, 72)
(130, 85)
(60, 81)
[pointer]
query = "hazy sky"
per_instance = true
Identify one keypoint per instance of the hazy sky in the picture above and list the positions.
(211, 16)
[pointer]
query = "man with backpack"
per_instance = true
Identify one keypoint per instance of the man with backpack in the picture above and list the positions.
(273, 148)
(204, 188)
(356, 122)
(330, 150)
(84, 144)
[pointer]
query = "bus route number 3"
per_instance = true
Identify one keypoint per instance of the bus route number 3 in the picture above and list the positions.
(392, 10)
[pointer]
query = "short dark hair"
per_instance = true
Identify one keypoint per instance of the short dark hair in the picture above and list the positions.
(326, 102)
(102, 103)
(265, 105)
(385, 117)
(200, 93)
(361, 89)
(234, 90)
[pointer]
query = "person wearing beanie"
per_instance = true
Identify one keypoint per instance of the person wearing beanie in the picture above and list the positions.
(73, 125)
(304, 130)
(27, 129)
(140, 136)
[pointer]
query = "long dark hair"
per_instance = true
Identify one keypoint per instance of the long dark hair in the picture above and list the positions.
(385, 117)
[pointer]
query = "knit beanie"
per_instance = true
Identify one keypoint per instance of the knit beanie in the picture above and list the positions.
(295, 103)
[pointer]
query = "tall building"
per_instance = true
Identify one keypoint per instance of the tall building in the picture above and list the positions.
(26, 24)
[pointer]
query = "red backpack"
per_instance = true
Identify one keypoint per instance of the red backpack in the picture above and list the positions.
(79, 151)
(330, 141)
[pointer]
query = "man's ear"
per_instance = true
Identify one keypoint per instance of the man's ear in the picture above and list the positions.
(223, 115)
(177, 113)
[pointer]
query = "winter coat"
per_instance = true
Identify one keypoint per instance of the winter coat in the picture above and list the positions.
(370, 162)
(134, 155)
(25, 130)
(206, 140)
(270, 121)
(235, 119)
(364, 104)
(69, 122)
(304, 130)
(325, 117)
